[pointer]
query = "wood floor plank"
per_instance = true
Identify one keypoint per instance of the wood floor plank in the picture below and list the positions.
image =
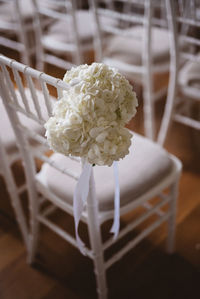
(20, 281)
(189, 194)
(160, 276)
(63, 293)
(10, 249)
(188, 238)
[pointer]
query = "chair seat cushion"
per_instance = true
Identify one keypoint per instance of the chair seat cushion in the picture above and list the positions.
(62, 32)
(190, 74)
(129, 49)
(146, 165)
(8, 13)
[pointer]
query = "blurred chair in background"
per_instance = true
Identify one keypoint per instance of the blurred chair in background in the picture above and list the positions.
(9, 155)
(16, 31)
(184, 106)
(67, 39)
(141, 178)
(137, 43)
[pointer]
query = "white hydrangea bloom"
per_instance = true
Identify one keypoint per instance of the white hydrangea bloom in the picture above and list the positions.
(88, 121)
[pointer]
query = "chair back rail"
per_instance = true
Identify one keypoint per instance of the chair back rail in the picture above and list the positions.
(14, 28)
(186, 83)
(32, 144)
(47, 14)
(147, 15)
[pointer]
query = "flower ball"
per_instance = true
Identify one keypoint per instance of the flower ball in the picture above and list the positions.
(89, 119)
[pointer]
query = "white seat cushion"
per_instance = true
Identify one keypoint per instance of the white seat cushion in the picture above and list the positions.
(143, 168)
(8, 13)
(129, 49)
(62, 33)
(190, 74)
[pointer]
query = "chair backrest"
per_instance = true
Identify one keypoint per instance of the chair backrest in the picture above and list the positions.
(135, 27)
(13, 29)
(50, 13)
(32, 143)
(126, 15)
(186, 18)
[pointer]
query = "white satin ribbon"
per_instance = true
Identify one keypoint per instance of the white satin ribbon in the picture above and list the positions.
(80, 200)
(116, 222)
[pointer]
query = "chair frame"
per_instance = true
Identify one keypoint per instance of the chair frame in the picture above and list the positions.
(147, 69)
(13, 191)
(73, 49)
(177, 92)
(91, 216)
(21, 46)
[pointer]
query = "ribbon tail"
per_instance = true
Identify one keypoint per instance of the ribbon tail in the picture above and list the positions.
(116, 223)
(79, 201)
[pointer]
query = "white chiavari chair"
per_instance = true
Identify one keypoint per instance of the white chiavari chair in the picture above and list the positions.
(16, 28)
(69, 36)
(137, 44)
(141, 178)
(184, 106)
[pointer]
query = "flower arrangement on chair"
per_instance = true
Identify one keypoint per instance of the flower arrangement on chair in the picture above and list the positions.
(89, 121)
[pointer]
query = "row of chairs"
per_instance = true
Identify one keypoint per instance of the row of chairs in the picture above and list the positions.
(139, 46)
(135, 37)
(29, 108)
(57, 32)
(16, 28)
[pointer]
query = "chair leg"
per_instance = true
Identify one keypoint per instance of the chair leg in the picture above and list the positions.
(34, 234)
(33, 241)
(172, 219)
(98, 260)
(15, 198)
(40, 64)
(96, 242)
(15, 201)
(149, 125)
(100, 273)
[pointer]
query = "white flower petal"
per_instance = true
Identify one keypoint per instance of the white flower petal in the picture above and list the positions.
(88, 121)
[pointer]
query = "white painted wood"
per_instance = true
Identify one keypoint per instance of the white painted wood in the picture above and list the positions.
(51, 52)
(135, 241)
(183, 94)
(172, 219)
(13, 191)
(93, 217)
(147, 67)
(169, 106)
(132, 225)
(15, 25)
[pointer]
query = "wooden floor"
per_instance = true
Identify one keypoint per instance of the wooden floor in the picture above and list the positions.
(61, 271)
